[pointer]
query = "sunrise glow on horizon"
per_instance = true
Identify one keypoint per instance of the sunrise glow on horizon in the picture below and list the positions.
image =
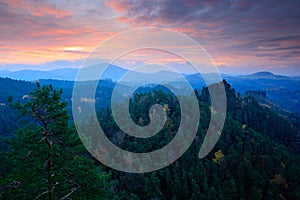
(241, 36)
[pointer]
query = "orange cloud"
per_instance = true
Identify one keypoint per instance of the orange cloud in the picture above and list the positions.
(31, 33)
(68, 46)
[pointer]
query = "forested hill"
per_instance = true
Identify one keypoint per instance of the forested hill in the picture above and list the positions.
(14, 88)
(245, 110)
(248, 162)
(284, 129)
(255, 158)
(282, 91)
(19, 91)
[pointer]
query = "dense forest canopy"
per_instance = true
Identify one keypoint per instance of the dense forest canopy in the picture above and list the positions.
(256, 156)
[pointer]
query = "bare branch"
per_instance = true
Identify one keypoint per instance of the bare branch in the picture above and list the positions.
(69, 194)
(38, 196)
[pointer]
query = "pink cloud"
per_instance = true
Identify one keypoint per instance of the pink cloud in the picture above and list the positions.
(40, 31)
(38, 8)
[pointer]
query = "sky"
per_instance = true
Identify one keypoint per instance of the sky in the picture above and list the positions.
(241, 36)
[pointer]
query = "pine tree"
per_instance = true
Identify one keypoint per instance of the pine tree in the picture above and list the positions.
(45, 157)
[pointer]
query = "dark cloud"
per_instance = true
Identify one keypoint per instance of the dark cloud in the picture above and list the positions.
(289, 48)
(239, 22)
(214, 11)
(279, 39)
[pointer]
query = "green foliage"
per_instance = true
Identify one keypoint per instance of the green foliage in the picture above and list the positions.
(46, 157)
(248, 162)
(255, 157)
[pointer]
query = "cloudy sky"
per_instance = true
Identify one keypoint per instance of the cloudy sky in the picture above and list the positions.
(241, 36)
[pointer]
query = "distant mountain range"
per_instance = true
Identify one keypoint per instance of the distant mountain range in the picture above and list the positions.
(113, 72)
(283, 91)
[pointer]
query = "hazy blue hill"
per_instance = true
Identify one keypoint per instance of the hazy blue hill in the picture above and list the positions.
(64, 73)
(283, 91)
(267, 75)
(197, 80)
(3, 73)
(30, 75)
(112, 72)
